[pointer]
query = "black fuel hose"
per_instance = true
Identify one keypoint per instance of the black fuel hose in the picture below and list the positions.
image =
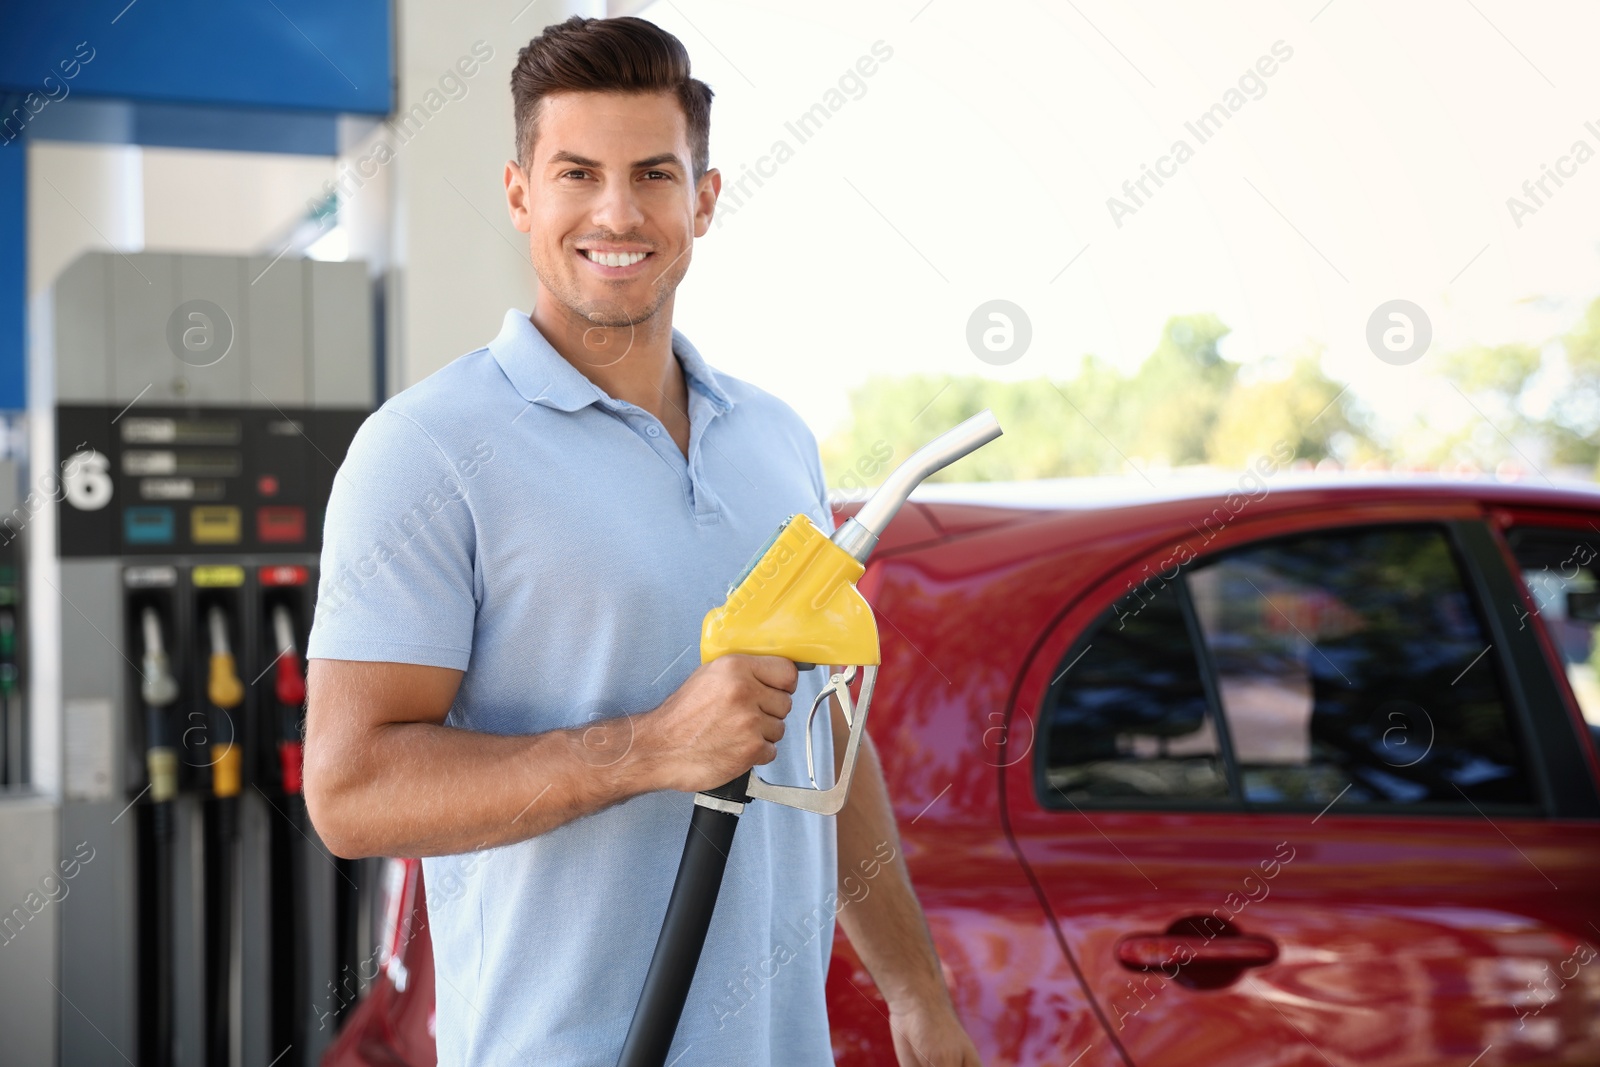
(683, 930)
(157, 994)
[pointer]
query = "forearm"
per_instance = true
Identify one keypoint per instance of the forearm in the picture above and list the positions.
(420, 789)
(885, 925)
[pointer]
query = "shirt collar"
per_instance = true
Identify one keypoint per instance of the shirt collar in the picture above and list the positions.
(543, 376)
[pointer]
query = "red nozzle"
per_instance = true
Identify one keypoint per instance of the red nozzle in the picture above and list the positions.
(290, 682)
(290, 759)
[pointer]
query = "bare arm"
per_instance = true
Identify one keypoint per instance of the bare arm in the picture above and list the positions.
(885, 923)
(385, 777)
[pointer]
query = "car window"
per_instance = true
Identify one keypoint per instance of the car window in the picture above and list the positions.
(1561, 569)
(1354, 662)
(1349, 665)
(1130, 716)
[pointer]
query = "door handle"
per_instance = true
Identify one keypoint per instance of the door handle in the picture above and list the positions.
(1150, 952)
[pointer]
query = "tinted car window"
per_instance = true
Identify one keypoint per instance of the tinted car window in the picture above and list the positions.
(1353, 664)
(1561, 569)
(1129, 716)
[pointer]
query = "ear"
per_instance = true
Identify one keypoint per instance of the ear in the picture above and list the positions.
(706, 200)
(518, 196)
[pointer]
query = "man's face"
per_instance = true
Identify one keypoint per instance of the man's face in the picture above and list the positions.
(609, 204)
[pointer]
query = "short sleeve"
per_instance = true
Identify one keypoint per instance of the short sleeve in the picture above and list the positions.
(399, 541)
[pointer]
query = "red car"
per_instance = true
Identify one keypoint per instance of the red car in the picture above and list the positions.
(1291, 772)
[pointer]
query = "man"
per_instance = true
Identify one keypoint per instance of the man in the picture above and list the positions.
(518, 553)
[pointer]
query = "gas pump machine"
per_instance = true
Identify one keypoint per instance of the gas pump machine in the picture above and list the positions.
(195, 409)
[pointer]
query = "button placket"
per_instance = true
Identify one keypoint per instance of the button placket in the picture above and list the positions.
(703, 411)
(648, 430)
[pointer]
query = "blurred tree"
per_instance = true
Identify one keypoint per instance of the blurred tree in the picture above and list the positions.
(1290, 401)
(1185, 404)
(1508, 384)
(1496, 381)
(1178, 392)
(1576, 411)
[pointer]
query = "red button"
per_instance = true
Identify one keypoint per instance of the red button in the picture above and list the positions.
(267, 485)
(283, 574)
(281, 525)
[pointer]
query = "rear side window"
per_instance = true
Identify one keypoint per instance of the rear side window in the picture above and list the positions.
(1561, 569)
(1349, 665)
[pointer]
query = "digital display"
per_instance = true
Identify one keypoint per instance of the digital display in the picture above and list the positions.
(157, 462)
(152, 430)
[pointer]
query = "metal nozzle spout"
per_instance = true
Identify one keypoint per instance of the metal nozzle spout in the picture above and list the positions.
(860, 534)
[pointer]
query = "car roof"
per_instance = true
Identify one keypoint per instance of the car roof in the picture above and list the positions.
(1073, 494)
(1106, 504)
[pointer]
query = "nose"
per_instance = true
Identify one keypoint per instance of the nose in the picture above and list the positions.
(617, 208)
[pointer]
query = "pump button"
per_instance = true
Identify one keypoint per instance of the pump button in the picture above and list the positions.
(284, 574)
(281, 524)
(147, 525)
(214, 525)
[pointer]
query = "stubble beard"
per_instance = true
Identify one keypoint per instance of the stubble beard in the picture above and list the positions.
(613, 314)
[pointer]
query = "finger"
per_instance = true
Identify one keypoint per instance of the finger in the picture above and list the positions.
(772, 728)
(774, 702)
(777, 672)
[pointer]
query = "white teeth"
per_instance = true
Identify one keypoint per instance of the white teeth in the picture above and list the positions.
(615, 259)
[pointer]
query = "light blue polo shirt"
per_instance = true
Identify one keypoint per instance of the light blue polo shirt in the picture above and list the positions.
(506, 517)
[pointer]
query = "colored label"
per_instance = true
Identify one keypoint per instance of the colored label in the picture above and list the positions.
(283, 574)
(150, 577)
(215, 525)
(147, 526)
(281, 524)
(218, 575)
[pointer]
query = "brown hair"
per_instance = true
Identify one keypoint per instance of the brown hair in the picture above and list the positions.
(617, 55)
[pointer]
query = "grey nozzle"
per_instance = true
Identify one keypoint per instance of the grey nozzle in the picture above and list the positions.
(859, 535)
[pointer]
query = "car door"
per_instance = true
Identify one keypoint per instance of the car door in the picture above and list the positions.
(1309, 799)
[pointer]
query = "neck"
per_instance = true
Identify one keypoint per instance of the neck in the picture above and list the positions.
(632, 363)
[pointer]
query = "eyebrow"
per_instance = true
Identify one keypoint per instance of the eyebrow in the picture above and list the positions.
(581, 161)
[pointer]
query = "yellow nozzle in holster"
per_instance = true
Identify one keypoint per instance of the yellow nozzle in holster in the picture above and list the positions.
(226, 765)
(225, 691)
(223, 686)
(798, 601)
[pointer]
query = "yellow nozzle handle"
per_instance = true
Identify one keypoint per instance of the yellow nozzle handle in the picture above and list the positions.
(225, 770)
(797, 600)
(223, 687)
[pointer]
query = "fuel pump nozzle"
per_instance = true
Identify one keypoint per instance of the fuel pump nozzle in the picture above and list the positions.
(158, 688)
(797, 598)
(225, 692)
(289, 687)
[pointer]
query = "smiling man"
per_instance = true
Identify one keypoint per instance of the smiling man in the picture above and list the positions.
(518, 553)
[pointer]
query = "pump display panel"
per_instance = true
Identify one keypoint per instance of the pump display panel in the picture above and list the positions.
(158, 481)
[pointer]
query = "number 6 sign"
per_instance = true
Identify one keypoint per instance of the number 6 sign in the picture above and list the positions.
(86, 480)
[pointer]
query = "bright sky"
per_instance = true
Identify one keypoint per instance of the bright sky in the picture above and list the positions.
(977, 164)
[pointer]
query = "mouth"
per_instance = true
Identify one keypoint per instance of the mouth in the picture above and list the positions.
(615, 263)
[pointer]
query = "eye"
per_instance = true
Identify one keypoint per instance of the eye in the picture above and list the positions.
(663, 173)
(573, 171)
